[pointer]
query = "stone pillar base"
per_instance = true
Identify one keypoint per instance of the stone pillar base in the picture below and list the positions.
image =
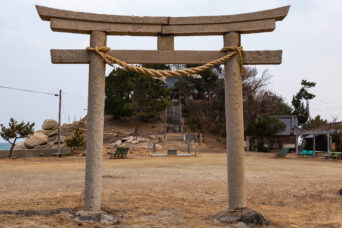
(96, 217)
(243, 215)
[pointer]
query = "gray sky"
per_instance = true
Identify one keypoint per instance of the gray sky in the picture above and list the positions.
(310, 38)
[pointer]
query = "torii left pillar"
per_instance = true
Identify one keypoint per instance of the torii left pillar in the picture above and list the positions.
(96, 99)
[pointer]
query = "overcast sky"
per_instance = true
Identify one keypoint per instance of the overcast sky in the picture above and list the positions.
(310, 38)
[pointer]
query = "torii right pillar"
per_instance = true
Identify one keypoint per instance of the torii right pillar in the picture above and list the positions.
(234, 126)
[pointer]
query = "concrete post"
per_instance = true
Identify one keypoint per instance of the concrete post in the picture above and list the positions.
(247, 143)
(234, 126)
(96, 98)
(328, 144)
(314, 145)
(297, 151)
(59, 124)
(154, 148)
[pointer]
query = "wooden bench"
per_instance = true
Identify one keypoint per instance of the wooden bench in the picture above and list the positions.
(284, 151)
(119, 153)
(306, 153)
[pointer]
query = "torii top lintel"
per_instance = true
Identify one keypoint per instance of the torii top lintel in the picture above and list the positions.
(84, 23)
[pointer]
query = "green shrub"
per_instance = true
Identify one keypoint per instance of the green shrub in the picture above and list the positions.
(76, 140)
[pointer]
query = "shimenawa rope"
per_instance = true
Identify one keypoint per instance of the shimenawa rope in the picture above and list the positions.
(192, 72)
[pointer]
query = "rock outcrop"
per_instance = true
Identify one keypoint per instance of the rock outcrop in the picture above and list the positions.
(47, 137)
(136, 142)
(36, 139)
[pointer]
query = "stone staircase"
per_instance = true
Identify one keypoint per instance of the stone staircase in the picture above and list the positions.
(174, 118)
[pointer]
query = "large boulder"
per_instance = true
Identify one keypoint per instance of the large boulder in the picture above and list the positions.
(66, 129)
(52, 132)
(49, 124)
(49, 133)
(45, 132)
(53, 138)
(35, 140)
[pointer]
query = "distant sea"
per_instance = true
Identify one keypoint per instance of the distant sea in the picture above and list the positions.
(5, 146)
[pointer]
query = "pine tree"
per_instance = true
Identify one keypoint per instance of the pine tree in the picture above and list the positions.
(15, 131)
(300, 102)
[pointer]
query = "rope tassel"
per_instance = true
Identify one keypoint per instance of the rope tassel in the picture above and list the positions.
(190, 72)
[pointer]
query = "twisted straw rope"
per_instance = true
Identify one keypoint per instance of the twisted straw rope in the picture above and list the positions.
(192, 72)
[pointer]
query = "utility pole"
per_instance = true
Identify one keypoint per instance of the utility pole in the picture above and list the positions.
(59, 123)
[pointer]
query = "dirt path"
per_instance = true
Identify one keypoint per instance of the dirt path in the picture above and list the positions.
(174, 192)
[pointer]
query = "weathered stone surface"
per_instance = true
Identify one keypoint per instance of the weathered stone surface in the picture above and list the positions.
(49, 133)
(77, 22)
(278, 14)
(166, 57)
(95, 125)
(97, 217)
(220, 29)
(52, 132)
(244, 215)
(234, 126)
(45, 132)
(63, 139)
(249, 216)
(52, 138)
(67, 129)
(35, 140)
(166, 43)
(47, 13)
(19, 146)
(49, 124)
(84, 27)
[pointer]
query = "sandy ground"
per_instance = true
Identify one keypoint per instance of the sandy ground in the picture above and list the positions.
(174, 192)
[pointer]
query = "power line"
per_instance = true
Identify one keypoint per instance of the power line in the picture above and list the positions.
(45, 93)
(28, 90)
(40, 92)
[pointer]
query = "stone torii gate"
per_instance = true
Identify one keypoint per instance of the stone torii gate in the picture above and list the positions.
(98, 26)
